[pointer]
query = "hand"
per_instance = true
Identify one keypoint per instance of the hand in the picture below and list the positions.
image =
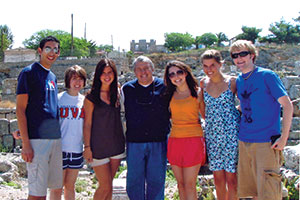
(279, 144)
(27, 153)
(87, 154)
(16, 134)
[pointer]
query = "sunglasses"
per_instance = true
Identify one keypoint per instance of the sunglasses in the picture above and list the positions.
(241, 54)
(178, 73)
(49, 49)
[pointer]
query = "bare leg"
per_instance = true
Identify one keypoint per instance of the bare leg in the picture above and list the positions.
(178, 173)
(190, 180)
(220, 183)
(36, 197)
(103, 174)
(231, 180)
(114, 166)
(69, 183)
(55, 194)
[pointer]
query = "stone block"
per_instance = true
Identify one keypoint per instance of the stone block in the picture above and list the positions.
(295, 124)
(296, 105)
(297, 68)
(291, 157)
(294, 135)
(8, 141)
(4, 123)
(9, 86)
(294, 92)
(13, 125)
(288, 81)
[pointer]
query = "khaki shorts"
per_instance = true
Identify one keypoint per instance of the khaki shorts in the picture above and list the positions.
(45, 171)
(259, 171)
(98, 162)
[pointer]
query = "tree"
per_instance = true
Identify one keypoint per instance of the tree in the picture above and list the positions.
(221, 38)
(82, 47)
(208, 39)
(197, 41)
(178, 41)
(249, 33)
(283, 32)
(6, 39)
(107, 48)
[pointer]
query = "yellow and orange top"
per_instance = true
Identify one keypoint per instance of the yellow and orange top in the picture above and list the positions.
(185, 118)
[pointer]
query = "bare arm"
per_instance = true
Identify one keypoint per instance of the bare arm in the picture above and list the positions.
(201, 99)
(286, 122)
(87, 126)
(27, 151)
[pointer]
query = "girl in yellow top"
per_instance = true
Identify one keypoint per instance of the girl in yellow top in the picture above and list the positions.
(186, 146)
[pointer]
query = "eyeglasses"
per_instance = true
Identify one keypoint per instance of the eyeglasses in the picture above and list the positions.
(49, 49)
(241, 54)
(178, 73)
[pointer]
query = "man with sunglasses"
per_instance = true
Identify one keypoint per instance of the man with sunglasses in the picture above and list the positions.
(38, 121)
(147, 127)
(261, 94)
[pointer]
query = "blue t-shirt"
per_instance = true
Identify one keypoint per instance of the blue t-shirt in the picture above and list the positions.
(259, 96)
(42, 109)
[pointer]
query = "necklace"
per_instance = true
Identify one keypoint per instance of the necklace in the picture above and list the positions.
(249, 74)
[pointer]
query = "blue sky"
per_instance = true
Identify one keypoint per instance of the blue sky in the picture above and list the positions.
(140, 19)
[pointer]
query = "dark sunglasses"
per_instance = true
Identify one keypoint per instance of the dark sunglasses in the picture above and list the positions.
(241, 54)
(173, 74)
(49, 49)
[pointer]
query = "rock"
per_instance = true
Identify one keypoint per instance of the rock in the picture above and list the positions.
(4, 126)
(297, 68)
(294, 135)
(294, 92)
(291, 157)
(296, 105)
(84, 174)
(288, 81)
(285, 192)
(123, 174)
(8, 141)
(8, 170)
(20, 163)
(295, 124)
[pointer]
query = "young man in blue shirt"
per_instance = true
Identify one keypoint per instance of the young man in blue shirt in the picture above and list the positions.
(38, 121)
(261, 94)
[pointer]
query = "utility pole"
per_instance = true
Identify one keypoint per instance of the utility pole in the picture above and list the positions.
(72, 42)
(112, 42)
(84, 30)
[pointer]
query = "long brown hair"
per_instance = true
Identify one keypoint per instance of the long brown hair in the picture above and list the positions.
(113, 88)
(190, 79)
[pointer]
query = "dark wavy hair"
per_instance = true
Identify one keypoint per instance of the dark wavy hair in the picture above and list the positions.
(96, 86)
(190, 79)
(49, 39)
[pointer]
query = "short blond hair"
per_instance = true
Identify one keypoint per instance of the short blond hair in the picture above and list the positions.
(239, 44)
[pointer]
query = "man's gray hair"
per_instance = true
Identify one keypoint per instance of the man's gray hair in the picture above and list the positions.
(142, 59)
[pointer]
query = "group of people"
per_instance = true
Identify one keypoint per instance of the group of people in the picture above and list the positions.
(59, 131)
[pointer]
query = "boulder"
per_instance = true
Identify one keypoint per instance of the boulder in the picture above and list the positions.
(288, 81)
(296, 105)
(294, 92)
(297, 68)
(291, 157)
(4, 123)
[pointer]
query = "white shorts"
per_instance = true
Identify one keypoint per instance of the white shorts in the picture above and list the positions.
(98, 162)
(45, 170)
